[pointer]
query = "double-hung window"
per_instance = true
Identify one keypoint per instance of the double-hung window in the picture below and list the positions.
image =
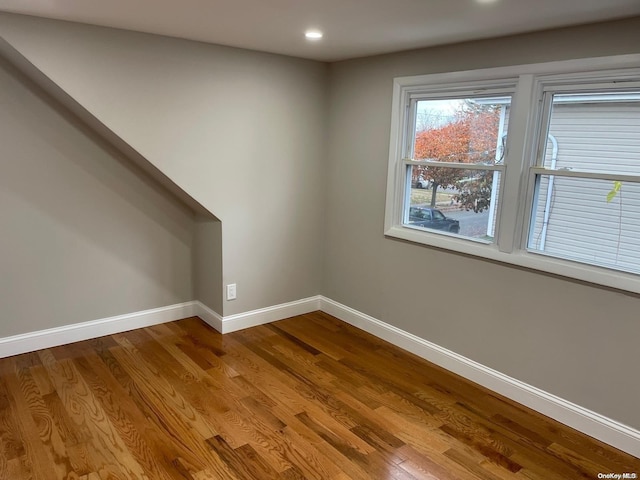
(586, 180)
(537, 165)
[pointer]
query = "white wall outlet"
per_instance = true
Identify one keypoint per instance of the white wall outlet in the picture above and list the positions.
(231, 291)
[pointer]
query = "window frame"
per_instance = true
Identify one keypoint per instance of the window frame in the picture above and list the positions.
(530, 85)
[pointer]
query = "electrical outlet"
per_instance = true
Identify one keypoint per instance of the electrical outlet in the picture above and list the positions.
(231, 291)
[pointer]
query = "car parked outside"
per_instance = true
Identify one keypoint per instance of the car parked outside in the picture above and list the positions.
(428, 217)
(422, 182)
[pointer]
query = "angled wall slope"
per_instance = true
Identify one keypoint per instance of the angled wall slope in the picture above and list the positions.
(241, 132)
(85, 235)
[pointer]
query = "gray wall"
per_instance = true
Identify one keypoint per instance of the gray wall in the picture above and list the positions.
(574, 340)
(207, 262)
(83, 234)
(242, 132)
(246, 135)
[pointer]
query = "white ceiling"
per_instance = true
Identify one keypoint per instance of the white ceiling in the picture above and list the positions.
(352, 28)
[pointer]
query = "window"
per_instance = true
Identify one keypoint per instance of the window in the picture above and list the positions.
(583, 210)
(537, 165)
(454, 160)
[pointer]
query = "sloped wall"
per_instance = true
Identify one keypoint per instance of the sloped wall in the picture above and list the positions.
(84, 235)
(242, 132)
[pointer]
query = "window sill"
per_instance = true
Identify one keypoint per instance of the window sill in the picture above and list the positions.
(530, 260)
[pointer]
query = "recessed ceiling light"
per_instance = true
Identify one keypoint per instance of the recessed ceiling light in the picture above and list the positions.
(313, 34)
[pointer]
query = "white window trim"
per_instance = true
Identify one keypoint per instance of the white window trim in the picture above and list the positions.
(515, 206)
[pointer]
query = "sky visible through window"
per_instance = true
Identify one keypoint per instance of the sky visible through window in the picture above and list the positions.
(437, 113)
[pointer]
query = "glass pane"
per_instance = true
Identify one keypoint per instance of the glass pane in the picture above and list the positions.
(598, 132)
(453, 200)
(467, 130)
(590, 221)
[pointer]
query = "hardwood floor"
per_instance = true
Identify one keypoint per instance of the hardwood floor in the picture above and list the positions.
(308, 397)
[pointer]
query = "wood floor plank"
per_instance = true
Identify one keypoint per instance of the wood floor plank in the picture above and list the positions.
(232, 421)
(107, 449)
(432, 466)
(311, 387)
(19, 468)
(39, 463)
(169, 407)
(50, 437)
(135, 431)
(187, 380)
(160, 390)
(301, 433)
(471, 465)
(245, 464)
(308, 397)
(11, 441)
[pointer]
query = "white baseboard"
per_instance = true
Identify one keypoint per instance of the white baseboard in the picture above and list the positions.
(598, 426)
(591, 423)
(232, 323)
(53, 337)
(30, 342)
(209, 316)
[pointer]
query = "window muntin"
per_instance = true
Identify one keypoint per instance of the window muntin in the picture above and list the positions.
(456, 146)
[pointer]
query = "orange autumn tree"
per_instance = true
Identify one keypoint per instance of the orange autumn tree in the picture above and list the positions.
(471, 137)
